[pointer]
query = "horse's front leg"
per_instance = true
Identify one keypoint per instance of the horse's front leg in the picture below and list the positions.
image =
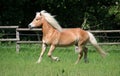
(42, 52)
(52, 47)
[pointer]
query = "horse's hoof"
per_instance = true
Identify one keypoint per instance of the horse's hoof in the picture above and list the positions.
(76, 62)
(37, 62)
(86, 61)
(57, 59)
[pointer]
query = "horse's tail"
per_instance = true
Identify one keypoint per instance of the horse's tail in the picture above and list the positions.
(93, 41)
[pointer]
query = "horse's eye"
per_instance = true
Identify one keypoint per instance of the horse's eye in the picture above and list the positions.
(37, 19)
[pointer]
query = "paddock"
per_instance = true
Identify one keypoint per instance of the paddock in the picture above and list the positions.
(13, 64)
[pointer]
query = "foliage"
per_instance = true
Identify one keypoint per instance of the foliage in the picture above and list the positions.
(100, 14)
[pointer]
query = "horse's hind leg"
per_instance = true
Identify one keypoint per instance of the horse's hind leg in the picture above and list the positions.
(80, 54)
(50, 53)
(85, 50)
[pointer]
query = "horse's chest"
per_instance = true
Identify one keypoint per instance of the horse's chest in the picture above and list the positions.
(51, 39)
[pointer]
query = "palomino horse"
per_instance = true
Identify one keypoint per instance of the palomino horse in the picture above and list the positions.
(54, 35)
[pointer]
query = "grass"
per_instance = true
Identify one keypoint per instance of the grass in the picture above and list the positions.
(23, 64)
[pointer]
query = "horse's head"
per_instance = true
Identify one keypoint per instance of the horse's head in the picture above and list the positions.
(43, 16)
(37, 21)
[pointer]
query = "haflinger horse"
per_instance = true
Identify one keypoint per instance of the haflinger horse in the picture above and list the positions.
(54, 36)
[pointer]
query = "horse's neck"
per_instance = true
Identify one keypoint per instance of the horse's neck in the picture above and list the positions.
(47, 28)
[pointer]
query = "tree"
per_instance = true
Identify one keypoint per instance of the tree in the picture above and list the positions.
(99, 14)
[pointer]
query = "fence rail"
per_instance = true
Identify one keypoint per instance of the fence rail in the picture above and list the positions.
(9, 27)
(18, 40)
(104, 31)
(29, 42)
(8, 39)
(27, 29)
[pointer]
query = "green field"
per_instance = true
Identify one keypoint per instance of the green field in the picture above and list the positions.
(23, 64)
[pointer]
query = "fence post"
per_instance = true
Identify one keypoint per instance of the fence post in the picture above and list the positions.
(18, 39)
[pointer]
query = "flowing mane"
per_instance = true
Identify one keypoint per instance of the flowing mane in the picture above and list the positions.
(51, 20)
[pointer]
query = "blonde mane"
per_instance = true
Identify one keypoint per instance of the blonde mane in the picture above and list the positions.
(51, 20)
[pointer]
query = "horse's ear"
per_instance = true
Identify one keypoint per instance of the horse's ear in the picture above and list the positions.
(37, 13)
(54, 15)
(40, 14)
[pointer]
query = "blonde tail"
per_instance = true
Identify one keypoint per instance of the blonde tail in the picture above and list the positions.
(93, 41)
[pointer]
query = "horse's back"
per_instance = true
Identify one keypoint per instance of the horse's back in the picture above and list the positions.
(75, 31)
(72, 35)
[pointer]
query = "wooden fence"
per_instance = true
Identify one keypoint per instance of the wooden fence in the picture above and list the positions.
(18, 40)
